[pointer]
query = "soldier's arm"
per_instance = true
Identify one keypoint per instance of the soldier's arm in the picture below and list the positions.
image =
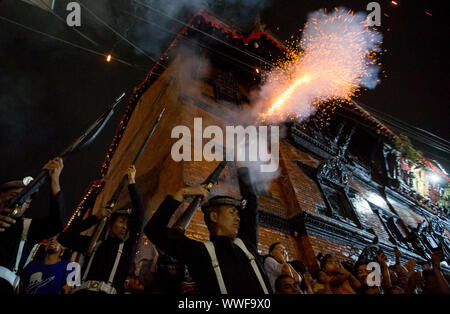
(72, 238)
(249, 215)
(137, 220)
(170, 241)
(44, 228)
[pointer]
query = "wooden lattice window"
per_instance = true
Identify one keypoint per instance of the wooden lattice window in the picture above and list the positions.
(339, 205)
(226, 88)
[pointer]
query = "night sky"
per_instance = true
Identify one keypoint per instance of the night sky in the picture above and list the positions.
(50, 92)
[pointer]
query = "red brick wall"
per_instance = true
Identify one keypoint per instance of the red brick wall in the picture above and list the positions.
(272, 206)
(298, 186)
(268, 236)
(340, 251)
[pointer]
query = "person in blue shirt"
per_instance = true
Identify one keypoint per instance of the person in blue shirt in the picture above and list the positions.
(50, 276)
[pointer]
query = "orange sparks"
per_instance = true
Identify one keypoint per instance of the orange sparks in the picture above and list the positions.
(426, 12)
(394, 3)
(108, 58)
(325, 66)
(288, 93)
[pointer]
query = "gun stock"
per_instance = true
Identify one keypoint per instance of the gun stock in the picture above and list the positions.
(185, 219)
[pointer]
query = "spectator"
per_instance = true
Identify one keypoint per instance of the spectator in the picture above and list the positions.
(335, 278)
(307, 281)
(285, 284)
(398, 273)
(362, 274)
(49, 276)
(169, 274)
(276, 264)
(434, 281)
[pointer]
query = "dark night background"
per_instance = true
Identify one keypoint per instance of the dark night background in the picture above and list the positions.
(50, 91)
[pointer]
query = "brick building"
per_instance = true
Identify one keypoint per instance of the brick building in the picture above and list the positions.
(341, 185)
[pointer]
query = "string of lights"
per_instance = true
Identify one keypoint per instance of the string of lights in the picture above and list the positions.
(248, 67)
(205, 33)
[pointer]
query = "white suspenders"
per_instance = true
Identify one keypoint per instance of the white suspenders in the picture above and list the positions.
(114, 269)
(23, 239)
(88, 267)
(116, 263)
(215, 263)
(241, 244)
(12, 276)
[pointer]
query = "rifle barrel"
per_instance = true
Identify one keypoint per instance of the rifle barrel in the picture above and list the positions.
(76, 146)
(116, 195)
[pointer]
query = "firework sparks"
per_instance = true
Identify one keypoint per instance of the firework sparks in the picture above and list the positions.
(334, 59)
(288, 93)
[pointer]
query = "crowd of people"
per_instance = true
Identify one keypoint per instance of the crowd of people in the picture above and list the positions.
(228, 263)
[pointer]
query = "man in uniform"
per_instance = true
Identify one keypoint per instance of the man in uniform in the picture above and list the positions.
(228, 263)
(105, 271)
(19, 235)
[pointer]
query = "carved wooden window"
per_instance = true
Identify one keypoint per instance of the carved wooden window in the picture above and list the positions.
(339, 205)
(226, 88)
(390, 223)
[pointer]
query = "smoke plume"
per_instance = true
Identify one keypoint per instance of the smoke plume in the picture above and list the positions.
(337, 57)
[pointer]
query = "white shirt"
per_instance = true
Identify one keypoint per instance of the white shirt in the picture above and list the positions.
(274, 270)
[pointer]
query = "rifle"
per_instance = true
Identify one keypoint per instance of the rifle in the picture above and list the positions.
(183, 222)
(78, 145)
(115, 197)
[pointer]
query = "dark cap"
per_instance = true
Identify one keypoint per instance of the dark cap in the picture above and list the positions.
(16, 184)
(223, 200)
(127, 212)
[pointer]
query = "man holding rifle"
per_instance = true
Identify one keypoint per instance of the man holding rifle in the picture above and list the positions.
(18, 235)
(105, 271)
(228, 263)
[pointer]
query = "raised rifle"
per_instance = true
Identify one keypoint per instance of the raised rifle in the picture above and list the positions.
(183, 222)
(115, 197)
(78, 145)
